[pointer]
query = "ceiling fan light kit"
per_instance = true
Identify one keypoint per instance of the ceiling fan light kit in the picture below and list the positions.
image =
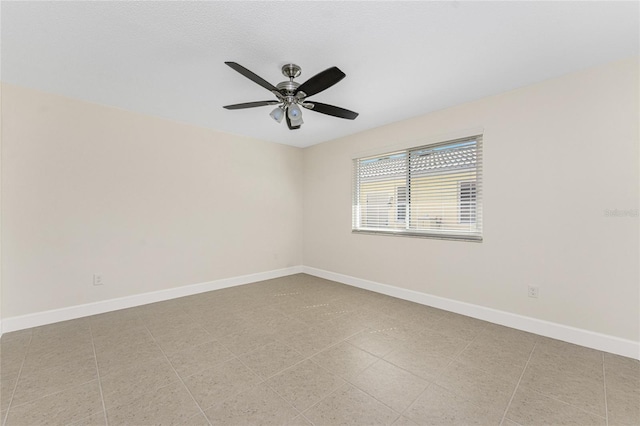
(292, 95)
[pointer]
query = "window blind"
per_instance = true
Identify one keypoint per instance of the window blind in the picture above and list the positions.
(433, 191)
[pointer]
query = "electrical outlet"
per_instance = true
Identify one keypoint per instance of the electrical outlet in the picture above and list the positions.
(97, 279)
(533, 291)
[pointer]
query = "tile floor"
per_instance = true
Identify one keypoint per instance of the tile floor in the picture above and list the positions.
(302, 350)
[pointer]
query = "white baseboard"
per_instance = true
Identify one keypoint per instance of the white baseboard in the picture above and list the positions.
(590, 339)
(79, 311)
(616, 345)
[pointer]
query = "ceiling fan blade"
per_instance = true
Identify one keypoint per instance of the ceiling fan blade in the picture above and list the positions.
(289, 123)
(251, 104)
(331, 110)
(321, 81)
(251, 76)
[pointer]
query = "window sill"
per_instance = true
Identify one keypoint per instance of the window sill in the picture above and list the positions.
(469, 238)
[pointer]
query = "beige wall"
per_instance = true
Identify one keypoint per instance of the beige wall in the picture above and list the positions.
(556, 156)
(153, 204)
(149, 203)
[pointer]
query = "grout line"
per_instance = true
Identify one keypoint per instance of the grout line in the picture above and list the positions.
(604, 382)
(506, 410)
(378, 400)
(264, 382)
(24, 358)
(54, 393)
(95, 358)
(179, 377)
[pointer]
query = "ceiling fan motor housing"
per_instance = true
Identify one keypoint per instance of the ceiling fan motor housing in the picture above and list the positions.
(287, 88)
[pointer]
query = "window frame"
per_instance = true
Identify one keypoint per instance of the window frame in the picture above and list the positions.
(358, 228)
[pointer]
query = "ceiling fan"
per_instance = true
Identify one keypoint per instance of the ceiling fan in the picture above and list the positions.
(292, 95)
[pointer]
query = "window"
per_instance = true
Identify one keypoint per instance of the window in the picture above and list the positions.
(467, 201)
(431, 191)
(401, 203)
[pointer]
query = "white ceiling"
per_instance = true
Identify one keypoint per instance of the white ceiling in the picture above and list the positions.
(402, 59)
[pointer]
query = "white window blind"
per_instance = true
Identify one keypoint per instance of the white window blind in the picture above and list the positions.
(433, 191)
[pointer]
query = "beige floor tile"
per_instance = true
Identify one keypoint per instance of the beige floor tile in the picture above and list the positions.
(622, 374)
(406, 332)
(256, 405)
(531, 408)
(374, 342)
(345, 360)
(422, 363)
(118, 357)
(341, 328)
(23, 336)
(180, 338)
(501, 360)
(313, 298)
(567, 355)
(350, 406)
(270, 359)
(394, 307)
(7, 386)
(432, 342)
(245, 341)
(515, 341)
(290, 327)
(393, 386)
(122, 317)
(617, 361)
(439, 406)
(11, 364)
(168, 405)
(371, 319)
(419, 315)
(223, 381)
(107, 324)
(311, 341)
(56, 355)
(269, 321)
(204, 334)
(623, 408)
(13, 348)
(197, 420)
(46, 343)
(311, 317)
(122, 339)
(305, 384)
(163, 323)
(573, 385)
(198, 358)
(64, 407)
(301, 420)
(404, 421)
(458, 326)
(124, 384)
(36, 384)
(62, 330)
(219, 328)
(165, 308)
(477, 386)
(97, 419)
